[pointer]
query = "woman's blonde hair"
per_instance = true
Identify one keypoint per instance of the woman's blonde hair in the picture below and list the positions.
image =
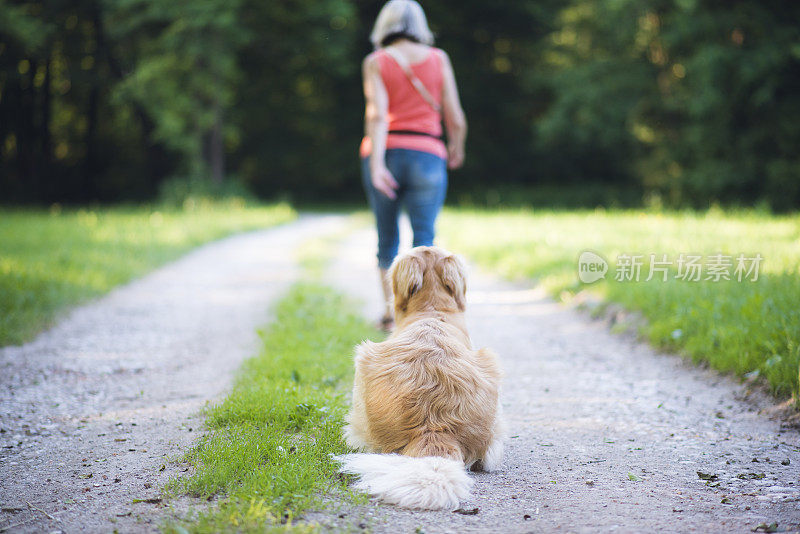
(401, 18)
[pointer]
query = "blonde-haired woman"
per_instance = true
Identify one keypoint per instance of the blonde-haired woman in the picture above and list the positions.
(409, 87)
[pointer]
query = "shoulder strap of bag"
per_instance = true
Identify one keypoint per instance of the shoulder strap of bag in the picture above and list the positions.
(415, 81)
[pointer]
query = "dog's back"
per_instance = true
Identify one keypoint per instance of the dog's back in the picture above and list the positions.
(426, 393)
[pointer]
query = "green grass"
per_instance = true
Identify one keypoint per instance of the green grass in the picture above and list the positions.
(51, 260)
(741, 327)
(267, 455)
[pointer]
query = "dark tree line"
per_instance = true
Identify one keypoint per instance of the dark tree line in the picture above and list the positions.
(674, 102)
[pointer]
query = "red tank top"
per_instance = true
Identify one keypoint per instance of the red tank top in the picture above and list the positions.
(408, 110)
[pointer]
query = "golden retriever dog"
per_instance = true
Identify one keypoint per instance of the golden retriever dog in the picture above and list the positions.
(425, 403)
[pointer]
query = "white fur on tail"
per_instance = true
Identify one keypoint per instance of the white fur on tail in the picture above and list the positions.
(430, 483)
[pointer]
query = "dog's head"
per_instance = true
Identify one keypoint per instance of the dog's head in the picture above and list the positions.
(428, 278)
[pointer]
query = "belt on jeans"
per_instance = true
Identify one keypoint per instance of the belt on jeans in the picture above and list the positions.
(412, 132)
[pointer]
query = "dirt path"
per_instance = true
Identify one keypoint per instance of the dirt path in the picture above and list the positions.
(606, 435)
(92, 411)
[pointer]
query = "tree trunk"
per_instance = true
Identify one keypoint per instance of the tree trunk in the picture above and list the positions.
(89, 179)
(44, 126)
(26, 136)
(217, 148)
(90, 169)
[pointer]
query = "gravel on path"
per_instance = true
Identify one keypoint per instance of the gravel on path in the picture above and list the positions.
(606, 434)
(93, 410)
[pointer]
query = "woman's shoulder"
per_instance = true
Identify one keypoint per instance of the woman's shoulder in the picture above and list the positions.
(374, 59)
(371, 61)
(444, 60)
(441, 54)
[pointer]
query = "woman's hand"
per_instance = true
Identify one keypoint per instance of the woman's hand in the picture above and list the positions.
(455, 157)
(383, 181)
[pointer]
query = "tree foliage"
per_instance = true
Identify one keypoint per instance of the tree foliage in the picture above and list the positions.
(690, 100)
(678, 102)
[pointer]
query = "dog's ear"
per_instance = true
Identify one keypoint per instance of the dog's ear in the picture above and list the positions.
(454, 277)
(406, 276)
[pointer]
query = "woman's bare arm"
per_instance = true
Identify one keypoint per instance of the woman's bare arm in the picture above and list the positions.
(454, 120)
(376, 126)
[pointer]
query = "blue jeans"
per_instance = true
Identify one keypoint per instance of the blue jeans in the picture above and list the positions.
(422, 180)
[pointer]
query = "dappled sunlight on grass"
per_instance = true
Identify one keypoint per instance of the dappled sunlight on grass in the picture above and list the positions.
(50, 260)
(748, 327)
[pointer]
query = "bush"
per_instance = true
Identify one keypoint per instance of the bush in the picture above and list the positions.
(188, 192)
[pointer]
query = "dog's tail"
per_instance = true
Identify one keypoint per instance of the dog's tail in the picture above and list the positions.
(430, 482)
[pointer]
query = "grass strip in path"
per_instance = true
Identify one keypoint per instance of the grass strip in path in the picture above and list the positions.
(51, 260)
(748, 328)
(267, 455)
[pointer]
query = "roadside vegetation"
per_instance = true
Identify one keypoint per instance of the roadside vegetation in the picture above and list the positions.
(53, 259)
(266, 457)
(750, 328)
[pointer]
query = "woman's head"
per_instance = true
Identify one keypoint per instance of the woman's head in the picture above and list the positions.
(401, 19)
